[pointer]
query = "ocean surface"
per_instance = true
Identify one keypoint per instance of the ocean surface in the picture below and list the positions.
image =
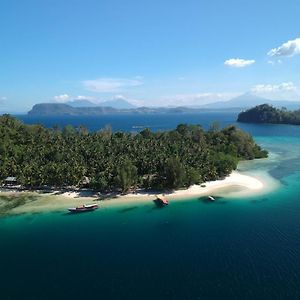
(247, 248)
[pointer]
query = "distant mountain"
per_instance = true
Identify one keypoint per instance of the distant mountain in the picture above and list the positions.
(118, 104)
(121, 106)
(61, 109)
(81, 103)
(245, 100)
(249, 100)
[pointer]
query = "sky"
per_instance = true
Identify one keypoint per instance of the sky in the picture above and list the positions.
(149, 52)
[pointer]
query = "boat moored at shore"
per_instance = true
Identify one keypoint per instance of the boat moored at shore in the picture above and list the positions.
(83, 208)
(161, 200)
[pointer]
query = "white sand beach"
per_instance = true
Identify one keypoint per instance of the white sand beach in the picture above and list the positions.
(237, 185)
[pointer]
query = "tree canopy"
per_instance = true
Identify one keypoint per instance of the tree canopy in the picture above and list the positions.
(266, 113)
(38, 156)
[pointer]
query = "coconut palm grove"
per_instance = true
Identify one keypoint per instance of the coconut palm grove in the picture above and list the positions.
(120, 161)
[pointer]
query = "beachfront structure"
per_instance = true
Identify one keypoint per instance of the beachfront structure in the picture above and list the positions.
(85, 181)
(10, 181)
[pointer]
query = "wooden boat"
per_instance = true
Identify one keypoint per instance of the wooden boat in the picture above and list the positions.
(162, 200)
(83, 208)
(211, 198)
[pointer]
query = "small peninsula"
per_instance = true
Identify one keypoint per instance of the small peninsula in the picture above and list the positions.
(71, 162)
(266, 113)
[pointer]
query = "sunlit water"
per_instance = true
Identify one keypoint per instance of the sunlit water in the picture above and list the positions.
(246, 248)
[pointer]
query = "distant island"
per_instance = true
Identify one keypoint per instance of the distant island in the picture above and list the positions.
(105, 161)
(61, 109)
(84, 107)
(266, 113)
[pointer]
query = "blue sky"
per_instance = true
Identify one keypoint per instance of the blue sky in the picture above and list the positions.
(149, 52)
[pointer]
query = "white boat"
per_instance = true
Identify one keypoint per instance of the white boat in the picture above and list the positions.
(83, 208)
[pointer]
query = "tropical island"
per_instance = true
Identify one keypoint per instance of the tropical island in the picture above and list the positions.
(120, 162)
(266, 113)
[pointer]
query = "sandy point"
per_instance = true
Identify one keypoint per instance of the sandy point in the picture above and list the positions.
(236, 185)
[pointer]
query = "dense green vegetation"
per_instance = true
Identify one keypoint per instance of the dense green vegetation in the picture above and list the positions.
(39, 156)
(268, 114)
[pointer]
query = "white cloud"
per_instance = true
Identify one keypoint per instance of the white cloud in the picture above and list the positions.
(281, 91)
(89, 98)
(195, 99)
(69, 98)
(107, 85)
(289, 48)
(62, 98)
(239, 62)
(274, 62)
(274, 88)
(3, 99)
(120, 97)
(139, 77)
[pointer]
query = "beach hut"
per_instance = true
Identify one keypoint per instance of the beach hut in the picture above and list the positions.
(85, 181)
(9, 181)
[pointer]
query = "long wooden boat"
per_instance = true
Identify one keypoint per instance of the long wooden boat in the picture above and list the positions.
(83, 208)
(162, 200)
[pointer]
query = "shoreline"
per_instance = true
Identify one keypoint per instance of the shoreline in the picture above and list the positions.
(238, 184)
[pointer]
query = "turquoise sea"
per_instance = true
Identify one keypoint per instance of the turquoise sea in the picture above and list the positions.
(247, 248)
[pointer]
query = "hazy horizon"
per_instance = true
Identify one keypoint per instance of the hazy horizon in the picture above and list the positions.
(246, 97)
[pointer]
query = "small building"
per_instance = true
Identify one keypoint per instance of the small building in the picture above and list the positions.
(85, 181)
(9, 181)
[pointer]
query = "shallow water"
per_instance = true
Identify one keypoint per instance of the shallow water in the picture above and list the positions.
(232, 248)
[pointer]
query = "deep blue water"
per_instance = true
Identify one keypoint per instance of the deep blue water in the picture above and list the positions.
(133, 122)
(136, 122)
(232, 249)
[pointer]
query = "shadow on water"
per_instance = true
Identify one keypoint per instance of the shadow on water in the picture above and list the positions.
(285, 168)
(77, 213)
(221, 202)
(207, 200)
(159, 204)
(257, 201)
(127, 209)
(165, 224)
(284, 183)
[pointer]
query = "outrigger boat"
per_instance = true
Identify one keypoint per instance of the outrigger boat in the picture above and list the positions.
(83, 208)
(161, 200)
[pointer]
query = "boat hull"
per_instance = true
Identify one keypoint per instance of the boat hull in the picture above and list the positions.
(161, 201)
(84, 208)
